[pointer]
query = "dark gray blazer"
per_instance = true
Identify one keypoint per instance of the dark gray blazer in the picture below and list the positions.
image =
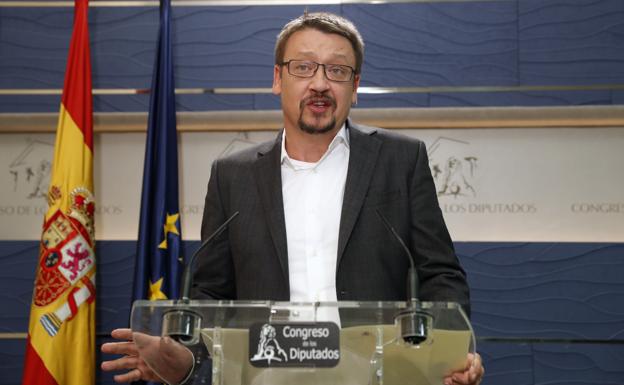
(387, 172)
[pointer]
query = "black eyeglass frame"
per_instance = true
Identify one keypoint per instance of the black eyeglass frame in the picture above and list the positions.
(287, 64)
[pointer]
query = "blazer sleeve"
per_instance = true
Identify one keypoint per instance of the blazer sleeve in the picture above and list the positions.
(440, 273)
(214, 276)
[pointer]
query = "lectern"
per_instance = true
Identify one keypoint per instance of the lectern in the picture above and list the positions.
(342, 343)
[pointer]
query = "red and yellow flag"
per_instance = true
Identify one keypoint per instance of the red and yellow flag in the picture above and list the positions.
(61, 332)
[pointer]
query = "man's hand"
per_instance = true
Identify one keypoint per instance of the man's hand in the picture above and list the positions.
(136, 368)
(472, 374)
(173, 360)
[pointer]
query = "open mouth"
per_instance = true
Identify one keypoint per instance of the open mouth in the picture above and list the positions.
(319, 105)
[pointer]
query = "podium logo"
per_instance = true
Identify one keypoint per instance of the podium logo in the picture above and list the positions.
(453, 167)
(268, 347)
(30, 170)
(294, 344)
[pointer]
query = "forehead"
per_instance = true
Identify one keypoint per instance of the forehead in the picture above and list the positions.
(313, 44)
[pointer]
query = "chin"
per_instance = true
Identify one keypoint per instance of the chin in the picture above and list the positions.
(317, 126)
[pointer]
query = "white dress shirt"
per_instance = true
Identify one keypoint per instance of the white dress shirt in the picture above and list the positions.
(313, 194)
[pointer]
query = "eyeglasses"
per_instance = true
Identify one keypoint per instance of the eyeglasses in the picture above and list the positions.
(307, 69)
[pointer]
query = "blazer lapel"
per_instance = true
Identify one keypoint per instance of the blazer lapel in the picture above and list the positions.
(364, 150)
(269, 181)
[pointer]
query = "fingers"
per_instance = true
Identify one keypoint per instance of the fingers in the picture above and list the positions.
(136, 369)
(123, 363)
(141, 373)
(131, 362)
(122, 334)
(472, 374)
(128, 350)
(123, 348)
(131, 376)
(477, 369)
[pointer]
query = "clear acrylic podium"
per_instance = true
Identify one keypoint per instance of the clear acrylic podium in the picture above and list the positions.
(368, 340)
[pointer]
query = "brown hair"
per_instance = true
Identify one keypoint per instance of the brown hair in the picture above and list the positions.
(324, 22)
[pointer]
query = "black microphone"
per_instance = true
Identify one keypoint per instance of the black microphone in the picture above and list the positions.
(182, 324)
(414, 322)
(187, 277)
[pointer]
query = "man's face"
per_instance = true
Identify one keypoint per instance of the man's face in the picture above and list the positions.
(315, 105)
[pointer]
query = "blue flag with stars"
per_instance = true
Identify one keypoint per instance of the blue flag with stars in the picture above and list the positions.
(159, 262)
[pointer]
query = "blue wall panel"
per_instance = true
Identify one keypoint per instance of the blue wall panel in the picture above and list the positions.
(618, 97)
(17, 276)
(33, 46)
(29, 103)
(123, 44)
(578, 364)
(438, 44)
(533, 363)
(571, 41)
(458, 44)
(546, 290)
(506, 363)
(12, 361)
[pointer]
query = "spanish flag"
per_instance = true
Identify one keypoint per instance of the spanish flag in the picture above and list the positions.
(61, 333)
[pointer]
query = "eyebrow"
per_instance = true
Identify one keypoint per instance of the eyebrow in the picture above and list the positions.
(311, 54)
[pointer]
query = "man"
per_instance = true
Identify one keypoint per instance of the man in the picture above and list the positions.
(309, 202)
(308, 227)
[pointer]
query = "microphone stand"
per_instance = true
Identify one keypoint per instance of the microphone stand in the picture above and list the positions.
(414, 323)
(184, 324)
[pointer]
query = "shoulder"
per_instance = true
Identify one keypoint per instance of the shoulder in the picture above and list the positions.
(388, 138)
(248, 155)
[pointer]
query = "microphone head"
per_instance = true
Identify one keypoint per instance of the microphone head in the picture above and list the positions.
(414, 326)
(182, 325)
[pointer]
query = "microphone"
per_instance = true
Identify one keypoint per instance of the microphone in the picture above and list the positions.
(183, 325)
(414, 322)
(187, 277)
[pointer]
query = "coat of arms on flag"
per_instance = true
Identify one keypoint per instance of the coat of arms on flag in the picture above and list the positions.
(66, 258)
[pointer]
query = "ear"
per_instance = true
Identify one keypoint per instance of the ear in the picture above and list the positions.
(356, 84)
(277, 80)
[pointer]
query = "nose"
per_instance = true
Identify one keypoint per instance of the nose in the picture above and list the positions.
(319, 82)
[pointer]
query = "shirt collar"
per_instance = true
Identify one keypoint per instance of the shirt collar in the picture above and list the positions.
(341, 137)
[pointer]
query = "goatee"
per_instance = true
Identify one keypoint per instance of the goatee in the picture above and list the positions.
(312, 128)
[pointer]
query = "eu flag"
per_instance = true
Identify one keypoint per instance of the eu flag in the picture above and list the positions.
(159, 262)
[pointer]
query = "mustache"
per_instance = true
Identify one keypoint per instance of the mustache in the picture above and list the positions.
(318, 98)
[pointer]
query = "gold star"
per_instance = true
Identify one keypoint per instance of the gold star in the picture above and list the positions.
(154, 291)
(170, 227)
